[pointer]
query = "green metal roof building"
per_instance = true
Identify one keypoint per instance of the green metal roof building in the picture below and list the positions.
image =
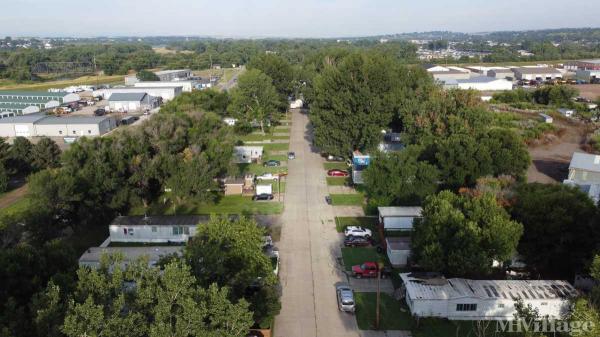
(8, 96)
(9, 110)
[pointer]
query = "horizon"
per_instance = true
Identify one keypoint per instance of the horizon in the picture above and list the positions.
(314, 19)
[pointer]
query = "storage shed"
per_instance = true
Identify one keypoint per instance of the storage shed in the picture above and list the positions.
(398, 250)
(398, 218)
(464, 299)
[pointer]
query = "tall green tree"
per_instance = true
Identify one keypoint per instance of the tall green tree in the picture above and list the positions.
(19, 157)
(353, 101)
(558, 220)
(462, 159)
(400, 178)
(254, 98)
(278, 69)
(147, 76)
(508, 152)
(463, 236)
(45, 154)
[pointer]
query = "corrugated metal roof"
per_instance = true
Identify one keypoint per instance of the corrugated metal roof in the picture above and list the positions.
(33, 93)
(585, 161)
(72, 120)
(160, 220)
(25, 101)
(127, 97)
(534, 71)
(445, 289)
(32, 118)
(14, 106)
(480, 79)
(400, 211)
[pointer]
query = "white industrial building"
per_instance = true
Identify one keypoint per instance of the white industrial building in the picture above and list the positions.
(584, 173)
(49, 126)
(36, 96)
(155, 229)
(187, 86)
(247, 154)
(9, 109)
(481, 83)
(134, 101)
(166, 93)
(398, 218)
(163, 76)
(445, 74)
(398, 250)
(536, 73)
(464, 299)
(92, 256)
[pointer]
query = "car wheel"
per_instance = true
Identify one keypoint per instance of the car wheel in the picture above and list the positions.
(379, 249)
(367, 236)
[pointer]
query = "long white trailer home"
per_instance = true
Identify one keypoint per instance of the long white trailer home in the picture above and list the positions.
(155, 229)
(463, 299)
(166, 93)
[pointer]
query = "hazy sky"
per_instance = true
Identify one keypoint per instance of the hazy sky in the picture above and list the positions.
(284, 18)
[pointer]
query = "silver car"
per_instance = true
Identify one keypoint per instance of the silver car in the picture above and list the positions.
(345, 298)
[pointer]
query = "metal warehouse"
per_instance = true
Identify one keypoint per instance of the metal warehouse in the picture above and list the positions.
(187, 86)
(163, 76)
(49, 126)
(536, 73)
(134, 101)
(10, 109)
(166, 93)
(37, 96)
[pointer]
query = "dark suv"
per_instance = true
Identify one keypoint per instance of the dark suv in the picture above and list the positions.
(263, 196)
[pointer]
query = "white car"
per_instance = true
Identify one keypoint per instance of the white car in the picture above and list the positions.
(345, 298)
(267, 176)
(357, 231)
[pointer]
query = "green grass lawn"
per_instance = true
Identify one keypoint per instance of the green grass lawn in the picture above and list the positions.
(259, 137)
(230, 204)
(275, 146)
(282, 128)
(335, 165)
(259, 169)
(395, 315)
(354, 256)
(277, 185)
(17, 208)
(347, 199)
(337, 181)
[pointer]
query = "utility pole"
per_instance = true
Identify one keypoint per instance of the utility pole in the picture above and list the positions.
(377, 312)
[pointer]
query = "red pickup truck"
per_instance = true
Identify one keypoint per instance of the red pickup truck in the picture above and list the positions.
(370, 269)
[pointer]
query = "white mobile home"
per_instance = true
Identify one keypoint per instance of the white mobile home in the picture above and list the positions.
(584, 173)
(463, 299)
(247, 154)
(92, 256)
(155, 229)
(398, 218)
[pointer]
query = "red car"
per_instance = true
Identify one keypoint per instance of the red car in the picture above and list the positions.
(370, 269)
(337, 173)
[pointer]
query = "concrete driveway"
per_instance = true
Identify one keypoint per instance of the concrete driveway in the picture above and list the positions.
(309, 248)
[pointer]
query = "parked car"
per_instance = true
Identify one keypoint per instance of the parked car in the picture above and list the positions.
(357, 231)
(337, 173)
(370, 270)
(263, 196)
(356, 241)
(328, 200)
(272, 163)
(291, 155)
(99, 112)
(335, 158)
(267, 176)
(345, 298)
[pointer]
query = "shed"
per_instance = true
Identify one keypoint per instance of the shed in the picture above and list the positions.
(398, 218)
(566, 112)
(131, 101)
(234, 186)
(547, 119)
(398, 250)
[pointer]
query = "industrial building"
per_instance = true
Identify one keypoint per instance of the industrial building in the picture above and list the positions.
(445, 74)
(163, 76)
(37, 125)
(35, 96)
(481, 83)
(584, 65)
(187, 86)
(135, 101)
(474, 300)
(502, 73)
(10, 109)
(536, 73)
(588, 75)
(165, 93)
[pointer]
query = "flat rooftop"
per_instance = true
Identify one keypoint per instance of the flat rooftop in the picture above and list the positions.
(153, 253)
(585, 161)
(446, 289)
(400, 211)
(160, 220)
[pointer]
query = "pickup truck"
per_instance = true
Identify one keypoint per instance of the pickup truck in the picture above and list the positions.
(370, 270)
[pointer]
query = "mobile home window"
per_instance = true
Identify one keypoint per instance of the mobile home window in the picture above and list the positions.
(466, 307)
(186, 230)
(177, 230)
(130, 230)
(154, 229)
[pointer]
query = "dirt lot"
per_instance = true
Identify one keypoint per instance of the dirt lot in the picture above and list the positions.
(589, 91)
(550, 162)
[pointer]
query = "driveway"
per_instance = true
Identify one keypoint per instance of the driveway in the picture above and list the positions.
(309, 248)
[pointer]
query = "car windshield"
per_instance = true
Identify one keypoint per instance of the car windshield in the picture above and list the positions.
(348, 302)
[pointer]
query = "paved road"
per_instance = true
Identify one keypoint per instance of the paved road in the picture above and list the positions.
(233, 80)
(309, 248)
